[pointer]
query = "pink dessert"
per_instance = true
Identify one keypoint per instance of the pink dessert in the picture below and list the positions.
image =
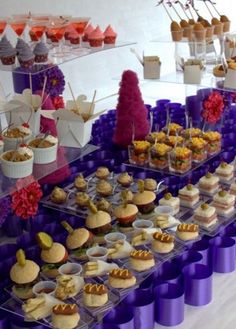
(74, 38)
(96, 38)
(87, 31)
(110, 36)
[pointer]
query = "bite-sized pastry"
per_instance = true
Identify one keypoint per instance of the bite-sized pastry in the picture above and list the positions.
(189, 195)
(78, 240)
(121, 278)
(180, 159)
(125, 179)
(104, 188)
(169, 200)
(192, 132)
(224, 202)
(159, 155)
(95, 295)
(129, 196)
(120, 250)
(68, 286)
(104, 205)
(102, 172)
(205, 215)
(58, 195)
(225, 171)
(187, 232)
(24, 273)
(233, 188)
(198, 147)
(156, 137)
(80, 183)
(174, 140)
(150, 184)
(139, 152)
(141, 260)
(209, 183)
(199, 32)
(53, 254)
(65, 316)
(162, 242)
(144, 200)
(82, 199)
(98, 268)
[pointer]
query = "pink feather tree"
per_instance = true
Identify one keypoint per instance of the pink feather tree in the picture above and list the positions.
(131, 112)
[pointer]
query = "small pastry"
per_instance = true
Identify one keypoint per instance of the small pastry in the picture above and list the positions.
(225, 171)
(65, 316)
(224, 202)
(104, 205)
(205, 215)
(162, 242)
(209, 183)
(120, 250)
(213, 139)
(150, 184)
(121, 278)
(102, 172)
(169, 200)
(141, 260)
(176, 31)
(82, 199)
(187, 232)
(139, 152)
(58, 195)
(80, 183)
(104, 188)
(189, 195)
(174, 129)
(95, 295)
(144, 200)
(125, 179)
(129, 196)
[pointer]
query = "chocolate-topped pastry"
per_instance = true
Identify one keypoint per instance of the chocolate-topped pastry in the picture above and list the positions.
(121, 278)
(141, 260)
(104, 188)
(95, 295)
(102, 172)
(58, 195)
(65, 316)
(80, 183)
(82, 199)
(125, 179)
(187, 231)
(162, 242)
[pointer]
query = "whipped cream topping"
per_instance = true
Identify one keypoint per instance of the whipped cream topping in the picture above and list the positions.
(96, 34)
(109, 32)
(40, 49)
(25, 150)
(21, 44)
(89, 29)
(24, 130)
(26, 53)
(51, 139)
(6, 49)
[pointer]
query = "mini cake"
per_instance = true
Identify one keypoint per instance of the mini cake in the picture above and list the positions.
(141, 260)
(159, 155)
(189, 195)
(89, 28)
(125, 179)
(20, 44)
(80, 183)
(224, 202)
(58, 195)
(180, 159)
(65, 316)
(198, 147)
(150, 184)
(225, 172)
(162, 242)
(104, 188)
(82, 199)
(26, 57)
(169, 200)
(121, 278)
(233, 188)
(102, 172)
(96, 38)
(187, 232)
(205, 215)
(12, 136)
(139, 152)
(7, 52)
(104, 205)
(143, 199)
(110, 36)
(95, 295)
(45, 149)
(156, 137)
(213, 139)
(209, 183)
(41, 52)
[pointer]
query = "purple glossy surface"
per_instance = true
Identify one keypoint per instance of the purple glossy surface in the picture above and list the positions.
(223, 254)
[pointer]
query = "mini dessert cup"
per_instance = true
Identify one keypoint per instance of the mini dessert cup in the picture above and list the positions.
(199, 35)
(16, 169)
(177, 35)
(70, 269)
(226, 26)
(142, 224)
(188, 32)
(180, 160)
(139, 152)
(209, 32)
(159, 156)
(198, 146)
(114, 237)
(97, 253)
(10, 143)
(213, 140)
(218, 29)
(43, 155)
(44, 287)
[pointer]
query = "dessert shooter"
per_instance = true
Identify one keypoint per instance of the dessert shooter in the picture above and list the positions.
(96, 38)
(65, 316)
(191, 133)
(198, 146)
(205, 215)
(209, 183)
(159, 155)
(174, 140)
(213, 139)
(68, 286)
(139, 152)
(80, 183)
(45, 149)
(141, 260)
(7, 52)
(189, 196)
(176, 31)
(187, 232)
(170, 200)
(124, 179)
(174, 129)
(162, 243)
(144, 200)
(224, 202)
(180, 159)
(121, 278)
(95, 295)
(104, 205)
(225, 172)
(24, 273)
(16, 135)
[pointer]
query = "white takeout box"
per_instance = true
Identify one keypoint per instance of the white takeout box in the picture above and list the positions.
(192, 74)
(151, 67)
(230, 79)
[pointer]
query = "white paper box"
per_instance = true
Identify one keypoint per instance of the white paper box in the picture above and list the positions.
(230, 79)
(151, 67)
(229, 51)
(192, 74)
(85, 108)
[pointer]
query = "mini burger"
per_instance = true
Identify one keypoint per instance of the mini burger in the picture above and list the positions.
(24, 274)
(53, 254)
(144, 200)
(78, 240)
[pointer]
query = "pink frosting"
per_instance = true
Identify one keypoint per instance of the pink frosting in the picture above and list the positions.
(109, 32)
(73, 35)
(96, 34)
(89, 29)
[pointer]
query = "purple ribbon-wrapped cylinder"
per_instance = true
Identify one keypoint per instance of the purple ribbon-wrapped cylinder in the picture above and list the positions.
(223, 254)
(231, 233)
(169, 304)
(168, 272)
(121, 317)
(143, 310)
(188, 257)
(193, 107)
(202, 246)
(197, 284)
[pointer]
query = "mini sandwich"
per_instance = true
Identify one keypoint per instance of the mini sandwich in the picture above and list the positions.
(141, 260)
(98, 222)
(209, 183)
(121, 278)
(68, 286)
(233, 188)
(78, 241)
(225, 172)
(162, 243)
(205, 215)
(224, 202)
(144, 200)
(39, 307)
(144, 236)
(24, 274)
(120, 250)
(99, 267)
(95, 295)
(65, 316)
(53, 254)
(169, 200)
(187, 232)
(189, 195)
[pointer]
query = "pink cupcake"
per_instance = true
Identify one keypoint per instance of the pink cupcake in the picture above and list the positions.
(110, 36)
(41, 52)
(7, 52)
(87, 31)
(96, 38)
(74, 38)
(26, 57)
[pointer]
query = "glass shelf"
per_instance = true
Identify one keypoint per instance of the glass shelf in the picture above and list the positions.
(70, 55)
(65, 156)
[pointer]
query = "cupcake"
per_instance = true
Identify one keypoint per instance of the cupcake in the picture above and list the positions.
(74, 38)
(26, 57)
(96, 38)
(124, 179)
(82, 199)
(20, 45)
(7, 52)
(104, 188)
(41, 52)
(110, 36)
(87, 31)
(12, 136)
(80, 183)
(45, 149)
(102, 172)
(58, 195)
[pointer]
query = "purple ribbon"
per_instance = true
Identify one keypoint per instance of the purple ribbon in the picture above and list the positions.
(188, 257)
(143, 310)
(203, 248)
(193, 107)
(4, 324)
(223, 254)
(198, 284)
(169, 304)
(121, 316)
(168, 272)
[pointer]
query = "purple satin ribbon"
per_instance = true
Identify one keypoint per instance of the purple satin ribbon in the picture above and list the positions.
(198, 284)
(223, 254)
(144, 310)
(168, 272)
(188, 257)
(202, 246)
(193, 107)
(4, 323)
(169, 304)
(122, 317)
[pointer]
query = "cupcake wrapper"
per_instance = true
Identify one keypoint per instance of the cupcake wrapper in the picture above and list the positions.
(45, 155)
(109, 40)
(41, 58)
(96, 42)
(8, 60)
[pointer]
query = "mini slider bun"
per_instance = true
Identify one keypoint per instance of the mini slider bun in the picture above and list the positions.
(143, 199)
(65, 316)
(187, 232)
(95, 295)
(141, 260)
(125, 213)
(121, 278)
(162, 242)
(24, 273)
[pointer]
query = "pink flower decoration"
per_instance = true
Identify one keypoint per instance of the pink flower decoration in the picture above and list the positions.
(213, 108)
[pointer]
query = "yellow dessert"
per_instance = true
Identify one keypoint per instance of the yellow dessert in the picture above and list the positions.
(159, 155)
(213, 139)
(198, 147)
(139, 152)
(180, 159)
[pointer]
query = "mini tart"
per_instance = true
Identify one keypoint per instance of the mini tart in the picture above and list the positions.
(80, 183)
(58, 195)
(187, 232)
(104, 188)
(125, 179)
(120, 278)
(82, 199)
(162, 243)
(141, 260)
(102, 172)
(145, 201)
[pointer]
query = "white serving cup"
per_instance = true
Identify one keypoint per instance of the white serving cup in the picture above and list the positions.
(70, 269)
(114, 237)
(12, 143)
(142, 224)
(164, 211)
(16, 169)
(45, 155)
(97, 253)
(40, 286)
